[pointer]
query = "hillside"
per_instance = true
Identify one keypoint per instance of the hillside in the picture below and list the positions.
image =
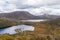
(6, 22)
(47, 30)
(46, 27)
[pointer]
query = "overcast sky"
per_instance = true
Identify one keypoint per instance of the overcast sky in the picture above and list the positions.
(35, 7)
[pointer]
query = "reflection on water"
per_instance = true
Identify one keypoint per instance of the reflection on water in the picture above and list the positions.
(11, 30)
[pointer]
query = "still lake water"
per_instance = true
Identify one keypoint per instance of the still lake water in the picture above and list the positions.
(39, 20)
(11, 30)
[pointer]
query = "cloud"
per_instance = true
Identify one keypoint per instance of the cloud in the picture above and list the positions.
(6, 6)
(44, 10)
(35, 7)
(37, 3)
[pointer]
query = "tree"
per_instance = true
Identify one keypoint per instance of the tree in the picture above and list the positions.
(19, 30)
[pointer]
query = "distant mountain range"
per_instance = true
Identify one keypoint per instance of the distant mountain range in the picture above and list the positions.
(47, 16)
(26, 15)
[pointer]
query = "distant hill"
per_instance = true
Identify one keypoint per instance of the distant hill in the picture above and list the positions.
(21, 15)
(46, 16)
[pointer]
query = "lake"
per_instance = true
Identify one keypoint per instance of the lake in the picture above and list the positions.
(38, 20)
(11, 30)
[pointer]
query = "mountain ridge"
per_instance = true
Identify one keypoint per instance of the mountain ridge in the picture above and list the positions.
(24, 15)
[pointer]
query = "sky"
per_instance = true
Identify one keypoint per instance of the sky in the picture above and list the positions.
(35, 7)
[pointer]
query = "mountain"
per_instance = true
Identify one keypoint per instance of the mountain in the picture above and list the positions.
(47, 16)
(19, 15)
(26, 15)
